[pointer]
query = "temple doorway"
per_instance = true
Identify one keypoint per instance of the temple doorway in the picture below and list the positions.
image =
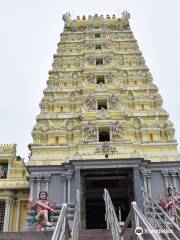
(119, 183)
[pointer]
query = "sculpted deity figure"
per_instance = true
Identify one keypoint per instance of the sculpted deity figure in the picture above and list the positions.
(109, 77)
(90, 102)
(43, 211)
(91, 77)
(113, 100)
(105, 148)
(107, 59)
(90, 129)
(125, 19)
(91, 59)
(125, 15)
(66, 17)
(117, 128)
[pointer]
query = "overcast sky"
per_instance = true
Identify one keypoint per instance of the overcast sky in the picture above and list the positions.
(30, 31)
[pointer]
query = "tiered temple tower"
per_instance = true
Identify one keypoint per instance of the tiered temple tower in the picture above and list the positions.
(101, 115)
(100, 98)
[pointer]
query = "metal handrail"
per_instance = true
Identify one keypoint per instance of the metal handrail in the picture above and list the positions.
(111, 217)
(175, 191)
(135, 217)
(175, 195)
(160, 219)
(62, 231)
(77, 218)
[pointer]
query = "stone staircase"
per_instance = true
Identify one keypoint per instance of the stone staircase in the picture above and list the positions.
(70, 216)
(95, 234)
(26, 235)
(102, 234)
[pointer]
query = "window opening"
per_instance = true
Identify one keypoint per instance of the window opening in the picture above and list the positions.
(99, 61)
(100, 79)
(102, 103)
(98, 46)
(56, 140)
(97, 35)
(104, 134)
(151, 138)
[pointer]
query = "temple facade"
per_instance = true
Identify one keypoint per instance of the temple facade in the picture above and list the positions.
(14, 190)
(101, 122)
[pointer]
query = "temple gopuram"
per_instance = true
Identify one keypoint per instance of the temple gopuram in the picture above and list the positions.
(101, 130)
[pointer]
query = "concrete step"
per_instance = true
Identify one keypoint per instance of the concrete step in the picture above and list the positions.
(26, 235)
(102, 234)
(95, 234)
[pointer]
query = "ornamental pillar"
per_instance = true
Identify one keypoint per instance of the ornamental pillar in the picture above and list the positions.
(178, 173)
(146, 174)
(148, 177)
(174, 178)
(7, 215)
(31, 179)
(69, 177)
(165, 174)
(64, 188)
(38, 186)
(47, 180)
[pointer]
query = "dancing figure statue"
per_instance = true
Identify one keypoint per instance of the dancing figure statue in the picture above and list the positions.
(43, 211)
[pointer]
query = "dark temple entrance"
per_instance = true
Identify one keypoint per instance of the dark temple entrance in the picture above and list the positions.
(119, 183)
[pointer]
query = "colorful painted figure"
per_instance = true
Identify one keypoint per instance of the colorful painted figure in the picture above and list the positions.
(43, 211)
(170, 204)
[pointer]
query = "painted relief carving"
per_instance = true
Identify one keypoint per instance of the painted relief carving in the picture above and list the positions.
(107, 59)
(103, 113)
(90, 129)
(91, 77)
(101, 87)
(70, 124)
(105, 148)
(117, 128)
(90, 102)
(109, 77)
(91, 59)
(113, 101)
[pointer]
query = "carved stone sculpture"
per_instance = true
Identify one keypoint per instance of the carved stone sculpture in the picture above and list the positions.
(113, 101)
(103, 113)
(91, 59)
(107, 59)
(90, 102)
(105, 148)
(90, 129)
(91, 77)
(117, 128)
(125, 15)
